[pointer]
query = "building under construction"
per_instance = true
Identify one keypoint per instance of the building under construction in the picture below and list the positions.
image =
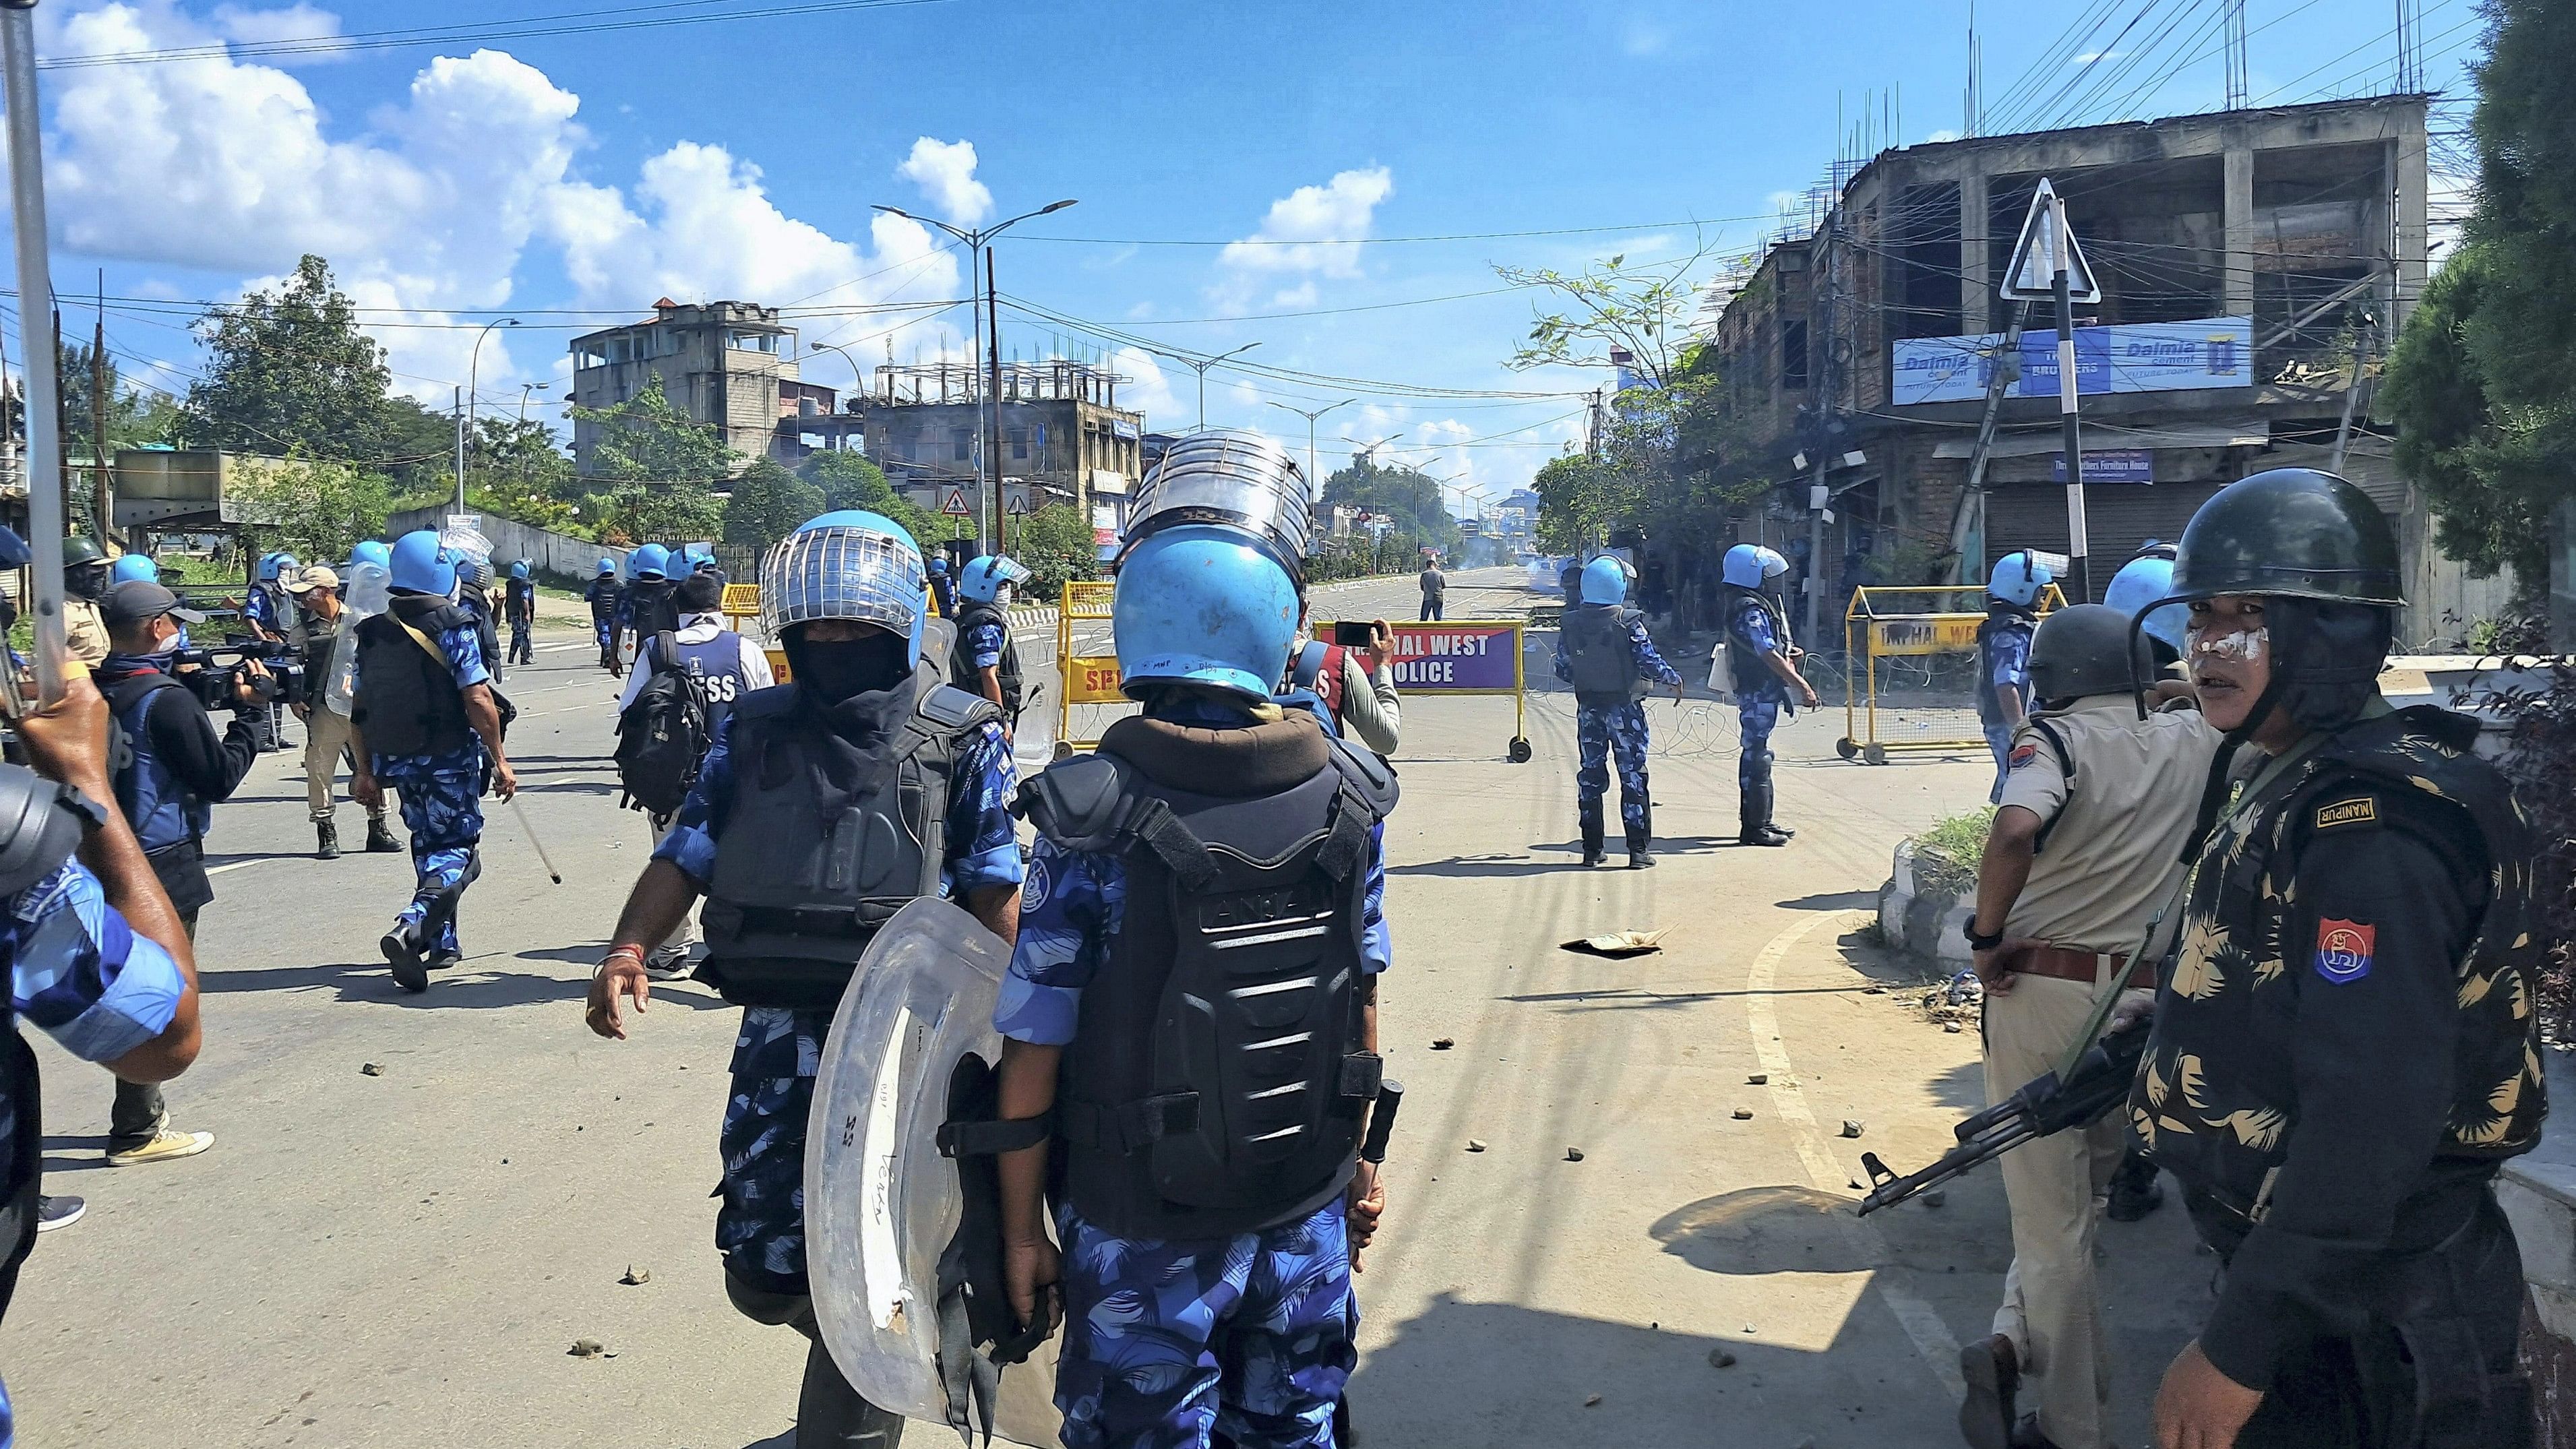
(1063, 437)
(2254, 266)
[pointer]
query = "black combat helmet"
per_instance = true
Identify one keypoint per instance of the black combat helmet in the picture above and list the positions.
(2086, 649)
(2293, 533)
(80, 549)
(2324, 555)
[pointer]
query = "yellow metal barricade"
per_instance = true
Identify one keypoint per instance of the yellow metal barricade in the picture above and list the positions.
(741, 609)
(1877, 626)
(1088, 679)
(1464, 656)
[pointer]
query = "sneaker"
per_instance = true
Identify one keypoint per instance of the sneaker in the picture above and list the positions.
(166, 1145)
(671, 963)
(2135, 1190)
(58, 1212)
(380, 837)
(405, 959)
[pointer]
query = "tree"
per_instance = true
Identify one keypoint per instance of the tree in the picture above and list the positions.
(320, 509)
(633, 513)
(850, 480)
(647, 440)
(1408, 495)
(288, 372)
(1579, 496)
(1056, 546)
(768, 504)
(2478, 384)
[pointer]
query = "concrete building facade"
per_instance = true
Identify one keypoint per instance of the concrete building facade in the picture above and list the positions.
(2254, 266)
(1063, 437)
(723, 364)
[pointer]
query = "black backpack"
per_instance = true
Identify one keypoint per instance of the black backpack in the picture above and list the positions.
(663, 736)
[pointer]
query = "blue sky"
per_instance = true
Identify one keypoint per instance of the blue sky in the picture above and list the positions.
(572, 178)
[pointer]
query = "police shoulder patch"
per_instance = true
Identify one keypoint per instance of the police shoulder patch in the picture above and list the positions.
(2022, 754)
(2361, 810)
(2344, 949)
(1033, 887)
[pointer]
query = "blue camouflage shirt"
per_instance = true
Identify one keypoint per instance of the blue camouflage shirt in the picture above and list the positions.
(2006, 652)
(984, 646)
(1754, 681)
(463, 646)
(983, 845)
(79, 973)
(1650, 664)
(1071, 908)
(261, 609)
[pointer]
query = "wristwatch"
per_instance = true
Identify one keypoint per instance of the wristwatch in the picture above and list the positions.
(1968, 928)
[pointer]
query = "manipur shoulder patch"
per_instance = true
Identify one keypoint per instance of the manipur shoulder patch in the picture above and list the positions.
(2344, 949)
(2023, 754)
(2361, 810)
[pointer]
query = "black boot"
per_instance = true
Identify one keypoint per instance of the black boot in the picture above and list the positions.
(380, 836)
(1639, 856)
(1753, 815)
(1592, 842)
(403, 953)
(831, 1415)
(2135, 1192)
(326, 840)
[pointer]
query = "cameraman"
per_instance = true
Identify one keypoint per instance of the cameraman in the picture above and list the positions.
(172, 768)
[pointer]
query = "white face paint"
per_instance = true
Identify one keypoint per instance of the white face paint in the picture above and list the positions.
(2246, 645)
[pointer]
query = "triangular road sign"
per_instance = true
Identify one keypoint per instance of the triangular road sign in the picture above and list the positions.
(954, 502)
(2031, 276)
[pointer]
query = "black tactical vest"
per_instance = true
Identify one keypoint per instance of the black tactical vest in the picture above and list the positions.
(801, 886)
(2000, 619)
(407, 700)
(961, 659)
(2214, 1098)
(1600, 657)
(652, 605)
(1217, 1080)
(1753, 678)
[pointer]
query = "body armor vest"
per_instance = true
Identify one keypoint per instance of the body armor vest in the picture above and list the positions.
(407, 700)
(1990, 710)
(801, 882)
(1600, 657)
(1753, 678)
(961, 659)
(1218, 1077)
(2223, 1122)
(652, 606)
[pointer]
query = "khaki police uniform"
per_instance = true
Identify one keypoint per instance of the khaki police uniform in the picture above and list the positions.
(84, 633)
(2116, 797)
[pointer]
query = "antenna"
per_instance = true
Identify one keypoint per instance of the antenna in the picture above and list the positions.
(2236, 58)
(2410, 47)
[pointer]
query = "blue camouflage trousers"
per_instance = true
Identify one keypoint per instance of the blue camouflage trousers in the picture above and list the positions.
(1602, 734)
(1999, 738)
(760, 1224)
(444, 813)
(1758, 718)
(604, 626)
(1166, 1342)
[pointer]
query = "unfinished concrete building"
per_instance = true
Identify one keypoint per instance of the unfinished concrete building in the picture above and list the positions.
(1064, 439)
(2253, 266)
(720, 363)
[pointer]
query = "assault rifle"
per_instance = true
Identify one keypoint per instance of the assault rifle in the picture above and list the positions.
(2099, 1080)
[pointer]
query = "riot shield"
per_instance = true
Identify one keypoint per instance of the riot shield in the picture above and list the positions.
(367, 596)
(882, 1205)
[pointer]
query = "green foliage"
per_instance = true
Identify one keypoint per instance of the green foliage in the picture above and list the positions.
(768, 504)
(322, 508)
(1364, 556)
(1055, 545)
(636, 513)
(848, 480)
(1407, 495)
(2478, 384)
(1947, 855)
(289, 373)
(1578, 497)
(647, 440)
(135, 416)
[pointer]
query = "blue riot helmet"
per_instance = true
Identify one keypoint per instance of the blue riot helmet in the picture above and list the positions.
(1203, 604)
(696, 558)
(133, 566)
(2018, 578)
(1750, 565)
(2140, 582)
(371, 551)
(939, 567)
(421, 564)
(650, 561)
(519, 569)
(847, 564)
(983, 578)
(273, 565)
(607, 568)
(1232, 478)
(1605, 580)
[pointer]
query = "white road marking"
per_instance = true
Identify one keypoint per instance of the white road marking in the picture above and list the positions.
(235, 865)
(1932, 1337)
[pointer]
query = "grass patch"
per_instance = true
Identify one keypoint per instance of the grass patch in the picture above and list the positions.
(1946, 856)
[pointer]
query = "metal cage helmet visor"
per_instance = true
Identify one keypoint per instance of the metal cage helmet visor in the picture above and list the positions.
(983, 578)
(846, 565)
(1232, 478)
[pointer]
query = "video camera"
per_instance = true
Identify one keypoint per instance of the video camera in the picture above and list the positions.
(211, 673)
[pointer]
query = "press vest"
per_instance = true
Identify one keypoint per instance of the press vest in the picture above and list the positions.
(1990, 709)
(1217, 1079)
(2237, 906)
(961, 659)
(407, 700)
(800, 886)
(1600, 657)
(1754, 680)
(716, 666)
(169, 821)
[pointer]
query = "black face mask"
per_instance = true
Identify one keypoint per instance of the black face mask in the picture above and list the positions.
(87, 581)
(839, 669)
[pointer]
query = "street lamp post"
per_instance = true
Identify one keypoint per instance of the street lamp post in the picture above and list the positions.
(526, 388)
(465, 404)
(858, 379)
(1312, 482)
(978, 240)
(1201, 366)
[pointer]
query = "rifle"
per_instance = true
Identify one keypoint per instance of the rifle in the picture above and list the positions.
(2044, 1106)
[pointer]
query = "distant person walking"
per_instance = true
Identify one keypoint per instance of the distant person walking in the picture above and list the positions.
(1435, 585)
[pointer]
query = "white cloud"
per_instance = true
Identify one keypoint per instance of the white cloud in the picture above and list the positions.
(244, 25)
(1339, 210)
(1150, 390)
(945, 172)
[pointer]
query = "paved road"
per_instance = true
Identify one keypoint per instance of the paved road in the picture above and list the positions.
(401, 1261)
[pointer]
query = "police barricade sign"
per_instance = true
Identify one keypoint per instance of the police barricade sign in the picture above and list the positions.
(741, 608)
(1087, 679)
(1469, 657)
